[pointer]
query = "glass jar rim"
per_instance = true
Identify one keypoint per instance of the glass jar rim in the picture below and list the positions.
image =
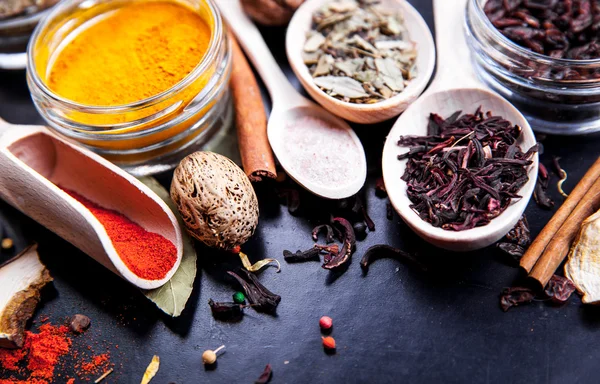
(538, 56)
(217, 35)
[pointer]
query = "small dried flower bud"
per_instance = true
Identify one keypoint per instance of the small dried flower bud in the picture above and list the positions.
(325, 322)
(209, 357)
(329, 342)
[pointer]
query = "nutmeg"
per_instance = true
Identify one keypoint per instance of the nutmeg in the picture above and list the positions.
(271, 12)
(215, 199)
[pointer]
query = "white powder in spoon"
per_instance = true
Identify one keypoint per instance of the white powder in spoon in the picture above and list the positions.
(320, 152)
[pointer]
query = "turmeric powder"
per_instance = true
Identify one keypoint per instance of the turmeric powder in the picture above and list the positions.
(131, 54)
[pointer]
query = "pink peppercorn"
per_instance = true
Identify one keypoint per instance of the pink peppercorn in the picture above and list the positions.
(325, 322)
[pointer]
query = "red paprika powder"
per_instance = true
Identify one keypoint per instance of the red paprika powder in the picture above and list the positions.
(41, 352)
(148, 255)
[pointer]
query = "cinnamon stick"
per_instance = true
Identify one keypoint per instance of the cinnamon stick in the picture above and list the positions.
(251, 119)
(536, 249)
(558, 248)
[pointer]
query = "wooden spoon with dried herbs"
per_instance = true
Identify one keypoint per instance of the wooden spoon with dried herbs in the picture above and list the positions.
(441, 125)
(362, 60)
(318, 150)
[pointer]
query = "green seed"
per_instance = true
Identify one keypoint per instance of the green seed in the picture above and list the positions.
(239, 298)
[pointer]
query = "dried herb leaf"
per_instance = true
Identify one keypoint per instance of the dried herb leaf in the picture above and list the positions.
(314, 42)
(151, 370)
(562, 174)
(390, 73)
(355, 34)
(172, 297)
(259, 264)
(393, 44)
(343, 86)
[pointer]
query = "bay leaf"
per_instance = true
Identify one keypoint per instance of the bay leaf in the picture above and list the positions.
(311, 58)
(393, 26)
(344, 86)
(314, 42)
(390, 73)
(366, 76)
(393, 44)
(172, 297)
(349, 67)
(386, 92)
(343, 6)
(324, 66)
(362, 43)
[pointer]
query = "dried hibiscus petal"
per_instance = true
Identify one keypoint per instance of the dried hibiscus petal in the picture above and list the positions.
(301, 256)
(514, 250)
(512, 297)
(319, 228)
(260, 297)
(348, 244)
(385, 251)
(559, 289)
(225, 311)
(265, 377)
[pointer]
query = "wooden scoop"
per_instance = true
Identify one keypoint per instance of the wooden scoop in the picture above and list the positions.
(35, 161)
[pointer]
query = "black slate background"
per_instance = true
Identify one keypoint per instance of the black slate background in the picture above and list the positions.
(392, 325)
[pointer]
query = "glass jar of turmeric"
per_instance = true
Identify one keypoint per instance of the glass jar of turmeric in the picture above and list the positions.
(141, 82)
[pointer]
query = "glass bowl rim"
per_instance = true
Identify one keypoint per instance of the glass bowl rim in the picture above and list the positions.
(545, 59)
(213, 50)
(26, 19)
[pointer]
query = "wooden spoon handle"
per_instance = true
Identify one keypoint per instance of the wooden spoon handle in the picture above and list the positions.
(257, 50)
(454, 68)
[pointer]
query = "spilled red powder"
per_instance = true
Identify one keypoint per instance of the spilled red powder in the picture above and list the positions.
(41, 352)
(10, 358)
(148, 255)
(98, 364)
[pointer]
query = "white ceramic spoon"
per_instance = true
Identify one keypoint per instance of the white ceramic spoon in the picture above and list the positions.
(35, 161)
(454, 88)
(289, 109)
(418, 32)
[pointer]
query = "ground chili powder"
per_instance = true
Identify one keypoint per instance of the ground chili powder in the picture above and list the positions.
(41, 351)
(148, 255)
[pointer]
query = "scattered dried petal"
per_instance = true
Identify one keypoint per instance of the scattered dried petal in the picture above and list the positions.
(349, 242)
(265, 377)
(512, 297)
(151, 370)
(559, 289)
(226, 311)
(259, 264)
(385, 251)
(562, 174)
(260, 297)
(301, 256)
